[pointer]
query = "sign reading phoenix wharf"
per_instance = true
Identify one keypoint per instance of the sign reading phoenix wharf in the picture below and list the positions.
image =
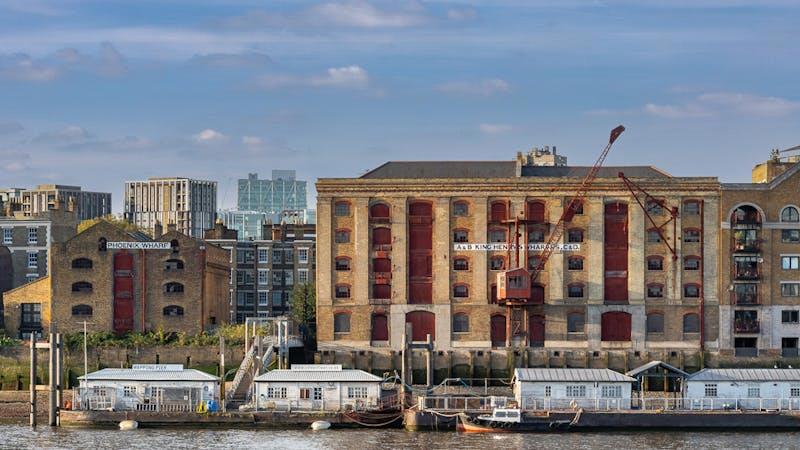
(138, 245)
(502, 246)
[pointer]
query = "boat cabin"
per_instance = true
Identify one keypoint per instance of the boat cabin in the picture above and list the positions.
(504, 415)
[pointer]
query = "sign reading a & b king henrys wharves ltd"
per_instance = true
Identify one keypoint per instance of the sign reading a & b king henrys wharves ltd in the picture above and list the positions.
(502, 246)
(138, 245)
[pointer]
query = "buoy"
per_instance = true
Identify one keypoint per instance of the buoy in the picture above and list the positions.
(127, 425)
(320, 425)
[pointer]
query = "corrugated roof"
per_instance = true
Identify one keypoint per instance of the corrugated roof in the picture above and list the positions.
(652, 364)
(318, 375)
(604, 172)
(500, 169)
(570, 375)
(746, 375)
(150, 375)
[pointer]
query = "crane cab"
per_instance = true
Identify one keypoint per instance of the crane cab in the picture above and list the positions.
(514, 284)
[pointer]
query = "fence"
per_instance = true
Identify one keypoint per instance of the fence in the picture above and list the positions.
(156, 400)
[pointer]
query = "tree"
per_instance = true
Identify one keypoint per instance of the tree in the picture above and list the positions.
(121, 223)
(304, 306)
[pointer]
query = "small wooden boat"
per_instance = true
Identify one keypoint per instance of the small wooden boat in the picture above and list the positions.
(505, 420)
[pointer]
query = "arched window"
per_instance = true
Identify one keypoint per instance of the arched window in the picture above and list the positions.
(575, 322)
(82, 263)
(535, 211)
(175, 246)
(497, 235)
(342, 236)
(381, 236)
(577, 207)
(790, 214)
(691, 208)
(82, 310)
(653, 236)
(82, 286)
(497, 263)
(655, 323)
(102, 244)
(173, 311)
(460, 323)
(536, 234)
(499, 211)
(173, 287)
(655, 290)
(575, 290)
(341, 323)
(342, 263)
(341, 209)
(379, 212)
(342, 291)
(460, 235)
(575, 263)
(173, 264)
(461, 208)
(691, 290)
(460, 263)
(575, 235)
(691, 323)
(691, 263)
(745, 214)
(461, 290)
(655, 207)
(655, 262)
(691, 235)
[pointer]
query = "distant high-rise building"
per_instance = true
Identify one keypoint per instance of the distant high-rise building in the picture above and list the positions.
(282, 192)
(248, 224)
(189, 204)
(88, 205)
(10, 200)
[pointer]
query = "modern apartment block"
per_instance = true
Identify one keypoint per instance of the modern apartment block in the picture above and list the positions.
(189, 204)
(88, 205)
(10, 200)
(282, 192)
(264, 271)
(248, 225)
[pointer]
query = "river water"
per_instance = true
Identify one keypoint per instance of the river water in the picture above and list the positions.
(20, 437)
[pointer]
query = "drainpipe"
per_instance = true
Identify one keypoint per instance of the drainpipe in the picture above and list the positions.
(144, 289)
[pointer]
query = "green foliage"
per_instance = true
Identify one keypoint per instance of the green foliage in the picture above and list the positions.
(6, 341)
(304, 303)
(121, 223)
(234, 335)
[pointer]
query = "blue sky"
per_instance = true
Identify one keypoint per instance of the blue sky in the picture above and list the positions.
(98, 92)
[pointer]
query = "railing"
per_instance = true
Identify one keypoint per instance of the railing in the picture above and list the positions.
(745, 298)
(165, 407)
(464, 404)
(244, 368)
(746, 273)
(790, 352)
(746, 245)
(661, 404)
(746, 326)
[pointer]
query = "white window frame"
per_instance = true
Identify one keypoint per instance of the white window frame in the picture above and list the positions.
(266, 298)
(8, 236)
(276, 392)
(611, 391)
(797, 288)
(33, 260)
(753, 391)
(302, 256)
(33, 235)
(302, 276)
(357, 392)
(288, 278)
(265, 253)
(794, 262)
(263, 276)
(710, 390)
(576, 391)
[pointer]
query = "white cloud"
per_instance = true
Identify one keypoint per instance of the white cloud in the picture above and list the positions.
(110, 61)
(21, 67)
(675, 111)
(751, 104)
(346, 14)
(461, 14)
(484, 88)
(228, 60)
(350, 77)
(67, 135)
(252, 140)
(208, 136)
(494, 128)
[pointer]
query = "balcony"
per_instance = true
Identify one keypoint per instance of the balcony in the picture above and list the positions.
(746, 245)
(746, 326)
(745, 272)
(745, 298)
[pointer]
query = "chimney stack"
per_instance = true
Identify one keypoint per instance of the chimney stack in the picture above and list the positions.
(158, 230)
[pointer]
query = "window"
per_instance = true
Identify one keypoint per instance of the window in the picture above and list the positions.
(379, 211)
(173, 287)
(575, 263)
(460, 291)
(576, 391)
(8, 236)
(533, 262)
(536, 235)
(498, 212)
(305, 393)
(575, 322)
(575, 290)
(342, 263)
(33, 260)
(277, 277)
(460, 264)
(277, 256)
(578, 207)
(655, 207)
(263, 298)
(100, 391)
(342, 236)
(460, 323)
(276, 392)
(794, 391)
(691, 235)
(790, 236)
(710, 390)
(790, 262)
(575, 235)
(82, 286)
(497, 263)
(288, 277)
(173, 264)
(129, 391)
(263, 276)
(317, 393)
(691, 263)
(302, 256)
(173, 311)
(341, 209)
(341, 323)
(277, 299)
(691, 208)
(790, 289)
(611, 391)
(356, 392)
(81, 310)
(655, 263)
(753, 392)
(655, 290)
(691, 323)
(790, 316)
(31, 313)
(33, 236)
(461, 209)
(342, 291)
(790, 214)
(548, 391)
(460, 236)
(655, 323)
(691, 290)
(652, 236)
(263, 255)
(497, 235)
(302, 276)
(102, 244)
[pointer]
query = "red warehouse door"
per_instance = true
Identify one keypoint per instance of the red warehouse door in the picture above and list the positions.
(380, 327)
(423, 323)
(123, 292)
(420, 245)
(616, 253)
(498, 331)
(537, 330)
(615, 326)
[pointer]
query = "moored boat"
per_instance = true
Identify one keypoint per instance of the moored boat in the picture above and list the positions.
(505, 420)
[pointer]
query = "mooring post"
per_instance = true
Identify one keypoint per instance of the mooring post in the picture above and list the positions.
(222, 372)
(429, 363)
(51, 380)
(32, 384)
(59, 376)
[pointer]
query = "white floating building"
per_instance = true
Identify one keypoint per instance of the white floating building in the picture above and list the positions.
(147, 387)
(315, 387)
(772, 389)
(595, 389)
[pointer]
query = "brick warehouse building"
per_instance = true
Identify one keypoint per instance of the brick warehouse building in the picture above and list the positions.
(182, 287)
(393, 247)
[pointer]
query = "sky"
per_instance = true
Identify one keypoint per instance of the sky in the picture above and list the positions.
(95, 93)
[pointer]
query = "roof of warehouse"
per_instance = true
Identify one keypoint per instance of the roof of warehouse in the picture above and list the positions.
(150, 375)
(570, 375)
(500, 169)
(318, 375)
(746, 375)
